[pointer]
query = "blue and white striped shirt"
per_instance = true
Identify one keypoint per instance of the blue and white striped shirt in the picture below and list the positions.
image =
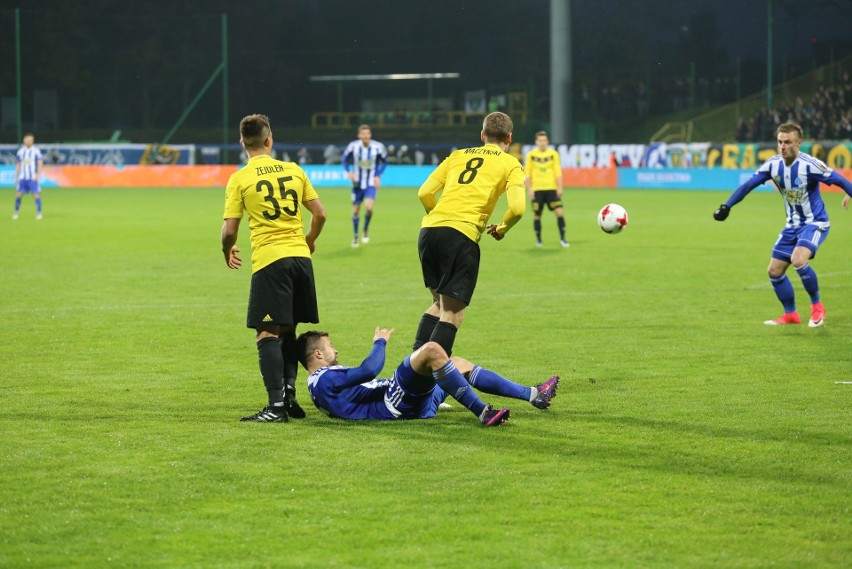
(367, 161)
(798, 184)
(28, 159)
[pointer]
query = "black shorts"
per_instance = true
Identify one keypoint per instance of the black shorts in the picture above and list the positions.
(548, 197)
(450, 262)
(283, 293)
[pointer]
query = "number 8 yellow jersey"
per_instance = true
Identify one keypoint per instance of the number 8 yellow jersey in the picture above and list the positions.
(471, 180)
(272, 193)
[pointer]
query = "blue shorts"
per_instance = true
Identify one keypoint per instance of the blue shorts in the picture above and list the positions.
(810, 236)
(28, 186)
(359, 195)
(412, 395)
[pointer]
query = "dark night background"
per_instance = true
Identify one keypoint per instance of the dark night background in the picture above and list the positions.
(136, 66)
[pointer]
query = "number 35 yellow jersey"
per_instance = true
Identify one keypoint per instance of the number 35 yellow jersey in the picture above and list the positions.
(272, 193)
(471, 181)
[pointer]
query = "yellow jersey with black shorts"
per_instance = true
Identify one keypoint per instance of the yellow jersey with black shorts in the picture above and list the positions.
(272, 192)
(470, 182)
(543, 170)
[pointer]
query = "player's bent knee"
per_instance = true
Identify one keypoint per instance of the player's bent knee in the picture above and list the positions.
(434, 354)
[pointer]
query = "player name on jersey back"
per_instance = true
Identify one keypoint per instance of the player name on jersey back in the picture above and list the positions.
(261, 170)
(481, 150)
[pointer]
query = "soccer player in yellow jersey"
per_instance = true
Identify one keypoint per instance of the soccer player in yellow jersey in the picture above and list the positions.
(470, 181)
(544, 183)
(282, 292)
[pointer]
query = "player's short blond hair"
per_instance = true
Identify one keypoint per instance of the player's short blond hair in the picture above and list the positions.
(254, 130)
(789, 127)
(364, 127)
(497, 127)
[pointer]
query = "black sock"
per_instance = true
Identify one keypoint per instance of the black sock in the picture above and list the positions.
(287, 341)
(537, 227)
(424, 330)
(445, 334)
(560, 223)
(271, 368)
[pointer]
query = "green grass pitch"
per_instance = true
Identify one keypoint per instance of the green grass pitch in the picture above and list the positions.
(685, 434)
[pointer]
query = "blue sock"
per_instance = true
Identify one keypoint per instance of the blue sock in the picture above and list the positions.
(367, 218)
(809, 281)
(784, 291)
(490, 382)
(38, 205)
(452, 382)
(17, 205)
(355, 224)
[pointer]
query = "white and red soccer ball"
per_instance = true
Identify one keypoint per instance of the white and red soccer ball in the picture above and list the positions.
(612, 218)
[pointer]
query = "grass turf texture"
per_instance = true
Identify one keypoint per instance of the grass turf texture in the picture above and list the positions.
(685, 433)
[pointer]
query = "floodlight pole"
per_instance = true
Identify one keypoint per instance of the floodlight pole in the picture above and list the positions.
(18, 73)
(224, 159)
(561, 81)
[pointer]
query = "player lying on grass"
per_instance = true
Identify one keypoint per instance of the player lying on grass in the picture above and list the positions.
(418, 386)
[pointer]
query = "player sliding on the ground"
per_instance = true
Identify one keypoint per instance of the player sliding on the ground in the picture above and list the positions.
(797, 176)
(418, 386)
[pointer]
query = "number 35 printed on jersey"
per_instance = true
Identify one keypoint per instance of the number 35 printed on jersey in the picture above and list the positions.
(285, 193)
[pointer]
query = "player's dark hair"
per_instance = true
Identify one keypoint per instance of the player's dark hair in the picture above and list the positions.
(542, 133)
(253, 130)
(790, 127)
(497, 127)
(306, 343)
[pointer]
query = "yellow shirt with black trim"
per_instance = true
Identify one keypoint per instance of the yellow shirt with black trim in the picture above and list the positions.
(543, 169)
(272, 193)
(471, 181)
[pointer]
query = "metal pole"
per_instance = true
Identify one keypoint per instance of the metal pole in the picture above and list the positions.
(18, 73)
(769, 56)
(192, 105)
(224, 64)
(561, 81)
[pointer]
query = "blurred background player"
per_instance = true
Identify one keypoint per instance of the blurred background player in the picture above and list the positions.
(282, 292)
(543, 172)
(470, 180)
(797, 176)
(364, 160)
(27, 170)
(419, 385)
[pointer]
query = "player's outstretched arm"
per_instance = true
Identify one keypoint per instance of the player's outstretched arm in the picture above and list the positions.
(230, 229)
(845, 202)
(370, 367)
(757, 179)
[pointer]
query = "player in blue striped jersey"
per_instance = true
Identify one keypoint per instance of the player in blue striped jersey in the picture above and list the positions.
(797, 176)
(27, 170)
(364, 161)
(418, 386)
